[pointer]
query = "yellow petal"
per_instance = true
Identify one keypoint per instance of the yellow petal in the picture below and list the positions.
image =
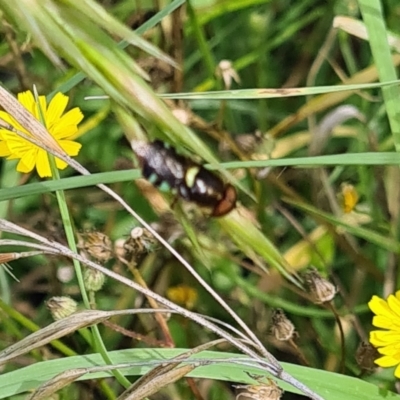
(386, 361)
(43, 164)
(70, 147)
(64, 132)
(11, 120)
(60, 164)
(57, 106)
(4, 150)
(67, 125)
(27, 162)
(380, 307)
(28, 101)
(19, 146)
(384, 322)
(6, 117)
(394, 304)
(392, 351)
(384, 338)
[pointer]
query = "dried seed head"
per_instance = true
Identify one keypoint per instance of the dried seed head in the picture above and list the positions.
(365, 356)
(61, 307)
(281, 327)
(160, 72)
(260, 391)
(97, 245)
(226, 71)
(119, 248)
(321, 290)
(93, 279)
(139, 243)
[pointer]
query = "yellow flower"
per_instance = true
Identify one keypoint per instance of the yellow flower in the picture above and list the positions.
(184, 295)
(61, 127)
(387, 316)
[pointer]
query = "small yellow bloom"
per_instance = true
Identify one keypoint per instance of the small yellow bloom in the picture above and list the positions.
(349, 197)
(61, 127)
(184, 295)
(387, 316)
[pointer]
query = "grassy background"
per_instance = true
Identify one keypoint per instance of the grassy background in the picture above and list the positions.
(341, 125)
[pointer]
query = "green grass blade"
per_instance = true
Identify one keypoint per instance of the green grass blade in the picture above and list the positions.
(372, 13)
(330, 386)
(249, 94)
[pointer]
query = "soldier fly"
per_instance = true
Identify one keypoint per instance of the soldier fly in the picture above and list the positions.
(163, 166)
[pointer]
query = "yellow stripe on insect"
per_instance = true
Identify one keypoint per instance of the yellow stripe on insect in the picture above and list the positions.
(190, 176)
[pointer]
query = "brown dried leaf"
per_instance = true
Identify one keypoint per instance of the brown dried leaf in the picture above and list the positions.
(48, 388)
(156, 383)
(54, 331)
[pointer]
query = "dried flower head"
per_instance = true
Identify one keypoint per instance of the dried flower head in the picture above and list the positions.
(61, 307)
(62, 127)
(97, 245)
(260, 391)
(139, 243)
(387, 317)
(366, 354)
(281, 327)
(320, 289)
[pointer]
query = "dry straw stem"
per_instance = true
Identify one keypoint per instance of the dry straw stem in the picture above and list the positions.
(163, 375)
(150, 383)
(61, 328)
(358, 29)
(57, 383)
(157, 383)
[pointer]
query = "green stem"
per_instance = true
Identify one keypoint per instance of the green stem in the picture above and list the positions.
(202, 42)
(67, 223)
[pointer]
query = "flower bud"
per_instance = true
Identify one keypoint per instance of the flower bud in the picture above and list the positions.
(97, 245)
(365, 356)
(282, 328)
(61, 307)
(93, 279)
(320, 289)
